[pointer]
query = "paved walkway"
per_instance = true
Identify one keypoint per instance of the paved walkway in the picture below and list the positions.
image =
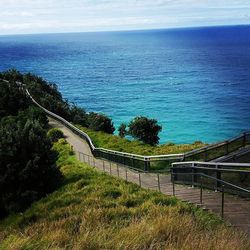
(78, 143)
(236, 210)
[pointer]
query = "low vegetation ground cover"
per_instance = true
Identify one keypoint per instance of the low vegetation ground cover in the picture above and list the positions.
(92, 210)
(113, 142)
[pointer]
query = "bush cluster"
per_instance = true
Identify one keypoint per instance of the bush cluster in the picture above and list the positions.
(54, 134)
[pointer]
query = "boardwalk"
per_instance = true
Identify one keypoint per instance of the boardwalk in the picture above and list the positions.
(236, 210)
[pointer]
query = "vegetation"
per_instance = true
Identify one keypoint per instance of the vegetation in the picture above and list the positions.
(27, 163)
(145, 130)
(12, 99)
(54, 134)
(122, 130)
(92, 210)
(117, 143)
(79, 116)
(48, 96)
(100, 122)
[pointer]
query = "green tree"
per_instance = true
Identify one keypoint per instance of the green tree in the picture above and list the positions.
(145, 130)
(27, 164)
(100, 122)
(122, 130)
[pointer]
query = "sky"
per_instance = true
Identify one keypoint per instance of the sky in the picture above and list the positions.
(51, 16)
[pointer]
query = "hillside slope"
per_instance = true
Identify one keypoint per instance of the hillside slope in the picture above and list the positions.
(92, 210)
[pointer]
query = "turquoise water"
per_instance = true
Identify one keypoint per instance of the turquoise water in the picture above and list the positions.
(195, 82)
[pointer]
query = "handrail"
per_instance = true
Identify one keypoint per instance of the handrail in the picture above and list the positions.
(233, 164)
(216, 179)
(146, 159)
(192, 168)
(221, 170)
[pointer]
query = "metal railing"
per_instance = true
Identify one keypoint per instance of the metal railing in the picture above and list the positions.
(145, 179)
(156, 162)
(162, 182)
(202, 177)
(234, 176)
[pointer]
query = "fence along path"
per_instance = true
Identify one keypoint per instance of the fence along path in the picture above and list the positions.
(236, 209)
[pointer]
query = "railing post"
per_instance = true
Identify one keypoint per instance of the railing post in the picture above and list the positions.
(117, 170)
(103, 165)
(158, 180)
(222, 201)
(201, 189)
(173, 179)
(133, 162)
(192, 174)
(126, 173)
(218, 177)
(123, 158)
(139, 178)
(145, 164)
(110, 168)
(148, 164)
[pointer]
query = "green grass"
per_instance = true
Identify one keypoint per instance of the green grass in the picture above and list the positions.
(92, 210)
(113, 142)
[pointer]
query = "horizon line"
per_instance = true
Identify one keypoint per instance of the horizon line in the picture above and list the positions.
(127, 30)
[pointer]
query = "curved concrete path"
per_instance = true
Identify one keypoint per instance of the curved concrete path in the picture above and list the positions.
(78, 143)
(236, 209)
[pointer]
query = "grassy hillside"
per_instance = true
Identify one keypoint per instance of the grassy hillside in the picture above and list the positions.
(117, 143)
(92, 210)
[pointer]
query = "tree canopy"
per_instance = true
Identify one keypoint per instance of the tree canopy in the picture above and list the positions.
(145, 130)
(100, 122)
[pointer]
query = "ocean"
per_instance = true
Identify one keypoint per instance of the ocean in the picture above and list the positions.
(194, 81)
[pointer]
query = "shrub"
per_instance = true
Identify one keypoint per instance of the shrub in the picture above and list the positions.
(100, 122)
(145, 130)
(54, 134)
(122, 130)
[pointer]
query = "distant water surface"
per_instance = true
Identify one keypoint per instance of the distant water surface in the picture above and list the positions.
(195, 82)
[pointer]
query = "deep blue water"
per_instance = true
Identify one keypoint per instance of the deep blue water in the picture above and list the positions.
(195, 82)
